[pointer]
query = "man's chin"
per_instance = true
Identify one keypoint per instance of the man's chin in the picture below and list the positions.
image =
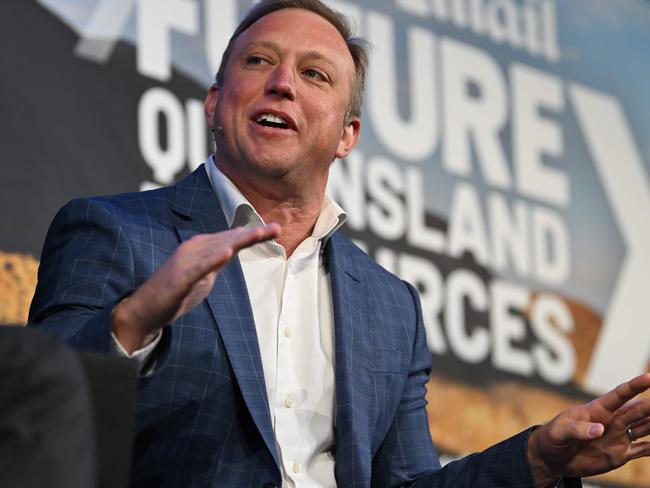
(272, 165)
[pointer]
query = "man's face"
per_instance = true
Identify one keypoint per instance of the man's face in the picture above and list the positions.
(285, 93)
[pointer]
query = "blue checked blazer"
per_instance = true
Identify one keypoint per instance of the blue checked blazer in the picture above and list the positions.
(203, 416)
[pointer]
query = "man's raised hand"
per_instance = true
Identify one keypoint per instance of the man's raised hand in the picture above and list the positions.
(593, 438)
(181, 283)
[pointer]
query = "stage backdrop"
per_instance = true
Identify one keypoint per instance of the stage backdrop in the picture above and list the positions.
(504, 170)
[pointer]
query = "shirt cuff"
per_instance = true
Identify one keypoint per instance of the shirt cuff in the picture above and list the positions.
(143, 356)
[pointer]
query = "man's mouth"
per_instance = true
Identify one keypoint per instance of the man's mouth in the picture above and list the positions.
(273, 120)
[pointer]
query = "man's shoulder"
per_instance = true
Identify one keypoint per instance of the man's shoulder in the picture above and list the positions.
(155, 203)
(124, 206)
(367, 267)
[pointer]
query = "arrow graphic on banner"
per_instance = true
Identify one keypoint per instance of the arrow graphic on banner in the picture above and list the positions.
(623, 346)
(106, 24)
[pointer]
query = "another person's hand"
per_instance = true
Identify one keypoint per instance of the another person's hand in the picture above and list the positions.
(181, 283)
(593, 438)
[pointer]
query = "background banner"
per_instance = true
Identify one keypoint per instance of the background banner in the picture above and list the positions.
(504, 170)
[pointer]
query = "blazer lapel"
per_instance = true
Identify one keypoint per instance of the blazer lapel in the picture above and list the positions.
(353, 375)
(199, 212)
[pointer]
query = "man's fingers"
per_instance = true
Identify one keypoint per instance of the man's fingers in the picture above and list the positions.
(635, 413)
(237, 238)
(207, 253)
(624, 392)
(585, 431)
(248, 237)
(201, 263)
(568, 432)
(215, 250)
(223, 246)
(641, 428)
(639, 449)
(186, 274)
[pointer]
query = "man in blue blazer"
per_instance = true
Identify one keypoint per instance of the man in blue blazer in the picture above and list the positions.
(155, 275)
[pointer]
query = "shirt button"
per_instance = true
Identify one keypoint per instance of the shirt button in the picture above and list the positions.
(287, 332)
(289, 402)
(296, 468)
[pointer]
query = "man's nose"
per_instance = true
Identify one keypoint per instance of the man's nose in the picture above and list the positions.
(282, 82)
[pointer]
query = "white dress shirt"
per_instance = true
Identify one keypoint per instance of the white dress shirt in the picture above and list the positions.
(292, 307)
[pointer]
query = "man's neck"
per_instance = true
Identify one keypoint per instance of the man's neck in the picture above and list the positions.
(297, 222)
(294, 207)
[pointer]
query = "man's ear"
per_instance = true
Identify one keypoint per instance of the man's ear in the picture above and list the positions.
(349, 138)
(210, 105)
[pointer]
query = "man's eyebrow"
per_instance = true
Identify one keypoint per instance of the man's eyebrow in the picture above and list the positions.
(318, 56)
(312, 55)
(267, 44)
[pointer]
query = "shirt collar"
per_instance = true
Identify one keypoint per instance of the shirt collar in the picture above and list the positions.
(239, 211)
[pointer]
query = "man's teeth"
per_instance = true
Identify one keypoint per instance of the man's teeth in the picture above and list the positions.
(271, 118)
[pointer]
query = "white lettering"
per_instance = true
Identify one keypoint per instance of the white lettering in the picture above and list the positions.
(551, 320)
(509, 328)
(414, 7)
(509, 232)
(414, 139)
(478, 119)
(535, 137)
(503, 22)
(221, 18)
(530, 25)
(386, 211)
(549, 23)
(155, 19)
(197, 134)
(474, 346)
(466, 232)
(419, 235)
(165, 162)
(346, 186)
(422, 274)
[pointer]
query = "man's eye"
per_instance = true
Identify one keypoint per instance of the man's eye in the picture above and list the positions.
(312, 73)
(254, 60)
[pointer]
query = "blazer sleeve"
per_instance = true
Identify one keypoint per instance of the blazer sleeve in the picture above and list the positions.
(407, 456)
(87, 267)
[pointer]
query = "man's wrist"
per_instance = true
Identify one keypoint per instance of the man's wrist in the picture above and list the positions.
(127, 329)
(543, 476)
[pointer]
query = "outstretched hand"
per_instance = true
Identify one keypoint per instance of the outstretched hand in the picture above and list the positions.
(181, 283)
(593, 438)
